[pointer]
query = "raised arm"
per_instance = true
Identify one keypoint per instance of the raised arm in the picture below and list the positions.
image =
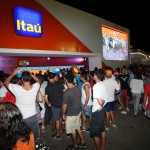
(8, 80)
(35, 78)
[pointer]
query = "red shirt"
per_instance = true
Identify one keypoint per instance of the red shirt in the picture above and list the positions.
(10, 97)
(147, 92)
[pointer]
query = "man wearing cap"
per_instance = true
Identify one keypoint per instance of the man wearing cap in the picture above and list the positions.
(111, 89)
(76, 74)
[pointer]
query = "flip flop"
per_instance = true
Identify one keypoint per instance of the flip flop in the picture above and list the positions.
(83, 129)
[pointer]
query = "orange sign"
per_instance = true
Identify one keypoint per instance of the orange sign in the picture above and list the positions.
(114, 33)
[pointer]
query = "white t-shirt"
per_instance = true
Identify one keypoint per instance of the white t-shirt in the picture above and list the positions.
(119, 85)
(136, 86)
(25, 100)
(42, 90)
(99, 91)
(43, 86)
(3, 91)
(111, 86)
(83, 95)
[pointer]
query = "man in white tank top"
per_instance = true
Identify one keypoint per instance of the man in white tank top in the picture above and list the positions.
(86, 100)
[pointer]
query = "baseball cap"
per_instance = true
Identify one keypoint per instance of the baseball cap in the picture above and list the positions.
(116, 73)
(76, 70)
(108, 72)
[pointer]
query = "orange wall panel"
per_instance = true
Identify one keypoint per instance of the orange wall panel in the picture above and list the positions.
(55, 37)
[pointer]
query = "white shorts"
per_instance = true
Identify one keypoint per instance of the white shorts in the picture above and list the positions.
(73, 123)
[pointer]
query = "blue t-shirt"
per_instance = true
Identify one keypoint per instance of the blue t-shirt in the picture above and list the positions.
(131, 76)
(79, 82)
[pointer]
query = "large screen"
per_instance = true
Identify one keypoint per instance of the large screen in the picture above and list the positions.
(115, 44)
(23, 63)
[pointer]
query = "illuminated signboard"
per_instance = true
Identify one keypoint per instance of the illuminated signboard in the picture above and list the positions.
(27, 22)
(115, 44)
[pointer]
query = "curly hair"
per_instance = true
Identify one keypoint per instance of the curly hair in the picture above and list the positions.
(12, 126)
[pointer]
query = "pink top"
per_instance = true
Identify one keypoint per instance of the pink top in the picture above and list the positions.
(147, 92)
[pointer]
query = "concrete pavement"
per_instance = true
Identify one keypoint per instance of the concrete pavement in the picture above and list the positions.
(131, 134)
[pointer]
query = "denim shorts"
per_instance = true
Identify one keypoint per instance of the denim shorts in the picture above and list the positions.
(110, 106)
(118, 95)
(56, 113)
(88, 111)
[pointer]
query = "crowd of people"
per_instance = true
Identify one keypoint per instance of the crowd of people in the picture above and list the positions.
(73, 97)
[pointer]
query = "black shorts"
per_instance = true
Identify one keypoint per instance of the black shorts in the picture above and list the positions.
(97, 123)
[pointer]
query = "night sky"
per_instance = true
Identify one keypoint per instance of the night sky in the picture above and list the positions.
(135, 17)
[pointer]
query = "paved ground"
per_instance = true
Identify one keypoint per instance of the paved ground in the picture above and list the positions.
(132, 134)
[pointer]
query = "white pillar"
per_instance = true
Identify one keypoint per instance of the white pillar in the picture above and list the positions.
(94, 62)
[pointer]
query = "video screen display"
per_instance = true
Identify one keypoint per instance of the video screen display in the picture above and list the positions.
(115, 44)
(23, 63)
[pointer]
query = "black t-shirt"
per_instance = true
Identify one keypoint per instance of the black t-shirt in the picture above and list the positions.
(72, 97)
(55, 94)
(124, 81)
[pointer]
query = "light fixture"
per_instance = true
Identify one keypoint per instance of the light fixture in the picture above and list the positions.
(48, 58)
(139, 53)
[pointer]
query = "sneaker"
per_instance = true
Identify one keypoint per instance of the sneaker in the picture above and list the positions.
(110, 122)
(127, 109)
(54, 136)
(106, 129)
(123, 112)
(43, 129)
(114, 126)
(120, 108)
(82, 145)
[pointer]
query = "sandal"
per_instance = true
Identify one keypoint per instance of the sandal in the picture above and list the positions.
(83, 129)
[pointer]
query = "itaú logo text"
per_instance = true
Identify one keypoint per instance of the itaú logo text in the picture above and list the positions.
(27, 22)
(21, 25)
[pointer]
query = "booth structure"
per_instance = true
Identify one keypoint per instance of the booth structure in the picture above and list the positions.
(46, 28)
(139, 56)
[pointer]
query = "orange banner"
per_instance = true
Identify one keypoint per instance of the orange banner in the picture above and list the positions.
(114, 33)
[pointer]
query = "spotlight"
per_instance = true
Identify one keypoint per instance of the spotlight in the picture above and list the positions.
(85, 58)
(48, 58)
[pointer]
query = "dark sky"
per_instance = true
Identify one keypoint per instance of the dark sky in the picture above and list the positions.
(135, 17)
